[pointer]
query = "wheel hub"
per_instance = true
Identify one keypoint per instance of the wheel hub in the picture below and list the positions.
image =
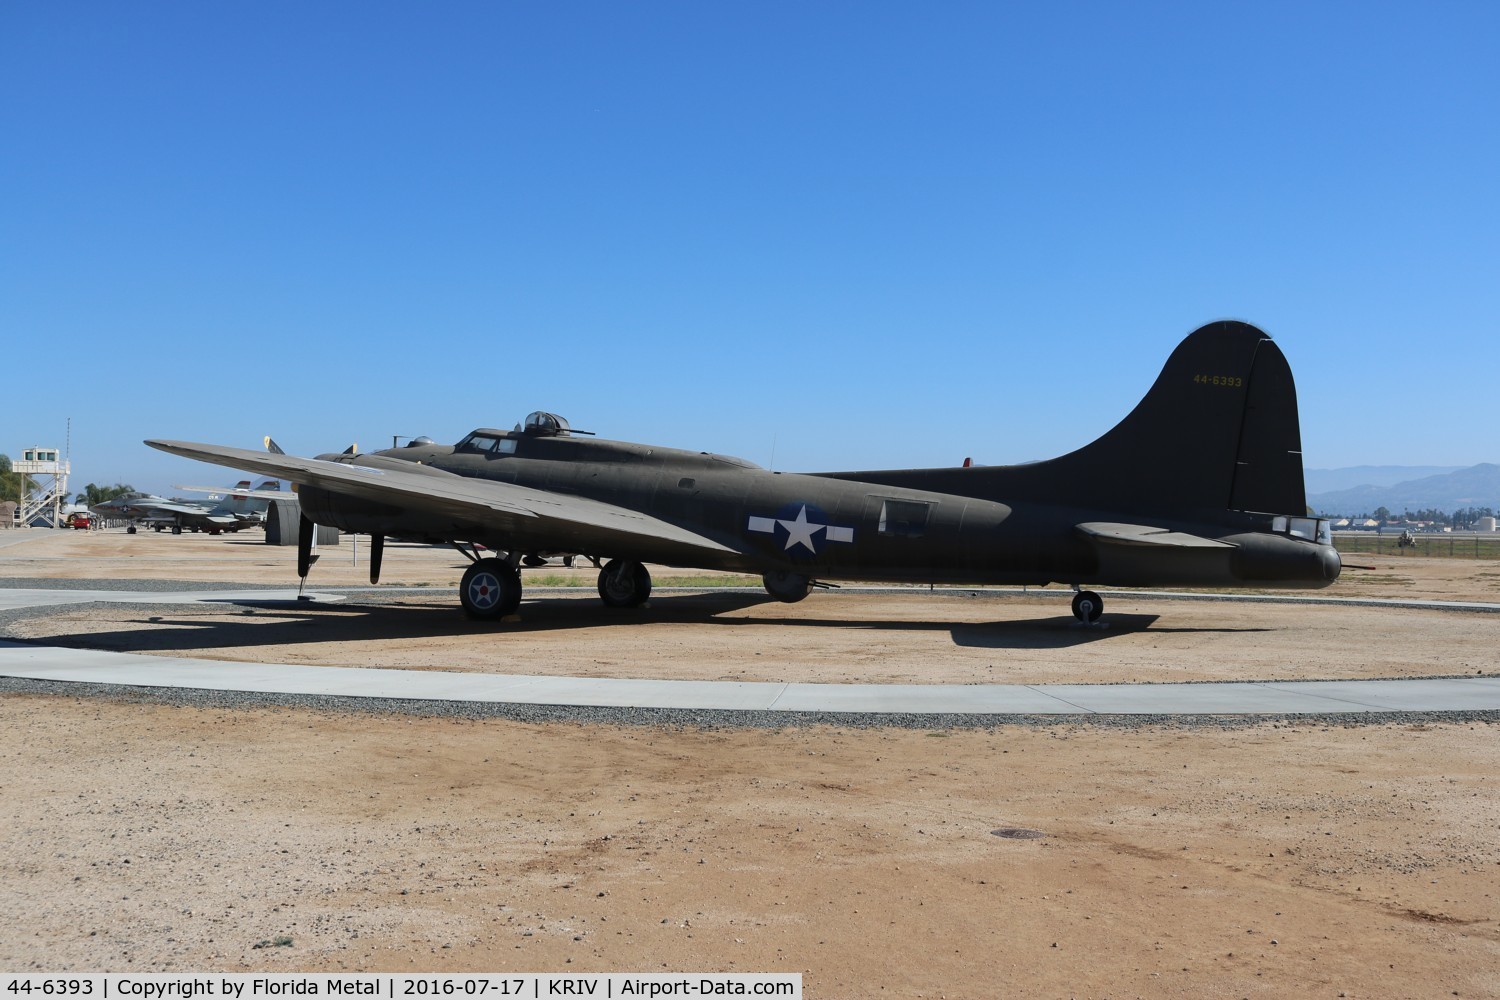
(484, 591)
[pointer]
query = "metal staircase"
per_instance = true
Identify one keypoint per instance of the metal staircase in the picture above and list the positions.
(48, 476)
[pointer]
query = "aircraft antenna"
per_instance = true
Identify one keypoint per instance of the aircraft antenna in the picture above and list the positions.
(772, 467)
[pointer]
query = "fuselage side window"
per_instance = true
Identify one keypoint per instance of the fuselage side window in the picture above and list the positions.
(903, 518)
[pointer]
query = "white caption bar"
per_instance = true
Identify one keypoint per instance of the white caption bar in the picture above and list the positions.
(495, 985)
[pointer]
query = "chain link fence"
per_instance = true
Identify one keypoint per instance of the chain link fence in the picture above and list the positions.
(1439, 545)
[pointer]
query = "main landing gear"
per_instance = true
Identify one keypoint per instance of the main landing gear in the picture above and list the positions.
(1087, 607)
(624, 583)
(788, 588)
(491, 586)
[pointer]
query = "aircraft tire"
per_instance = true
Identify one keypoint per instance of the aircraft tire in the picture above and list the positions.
(1087, 606)
(176, 529)
(130, 530)
(624, 583)
(788, 588)
(489, 590)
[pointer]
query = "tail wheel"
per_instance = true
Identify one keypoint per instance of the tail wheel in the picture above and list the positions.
(490, 589)
(1087, 606)
(624, 584)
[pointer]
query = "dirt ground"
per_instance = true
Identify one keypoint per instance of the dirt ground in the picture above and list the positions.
(1236, 860)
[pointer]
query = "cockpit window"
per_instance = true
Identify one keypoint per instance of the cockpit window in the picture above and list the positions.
(477, 442)
(487, 444)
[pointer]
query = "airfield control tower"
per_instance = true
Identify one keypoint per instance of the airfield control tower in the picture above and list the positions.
(48, 479)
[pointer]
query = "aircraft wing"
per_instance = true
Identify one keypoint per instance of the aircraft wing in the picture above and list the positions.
(1110, 533)
(230, 491)
(168, 507)
(506, 507)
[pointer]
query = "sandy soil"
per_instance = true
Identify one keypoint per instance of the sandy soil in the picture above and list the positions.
(1264, 860)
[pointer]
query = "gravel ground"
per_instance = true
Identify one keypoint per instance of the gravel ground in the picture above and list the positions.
(162, 831)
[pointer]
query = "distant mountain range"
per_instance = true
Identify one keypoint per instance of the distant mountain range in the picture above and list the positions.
(1418, 488)
(1328, 480)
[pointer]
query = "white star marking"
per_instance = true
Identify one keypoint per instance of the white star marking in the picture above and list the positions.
(799, 532)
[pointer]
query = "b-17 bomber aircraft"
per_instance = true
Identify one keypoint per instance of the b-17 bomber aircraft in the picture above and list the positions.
(241, 507)
(1200, 485)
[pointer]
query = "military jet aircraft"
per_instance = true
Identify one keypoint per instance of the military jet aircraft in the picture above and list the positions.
(1200, 485)
(240, 507)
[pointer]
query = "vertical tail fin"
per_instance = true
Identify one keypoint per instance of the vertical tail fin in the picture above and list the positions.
(1218, 430)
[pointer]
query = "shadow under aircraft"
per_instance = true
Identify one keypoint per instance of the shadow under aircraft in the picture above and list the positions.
(1200, 485)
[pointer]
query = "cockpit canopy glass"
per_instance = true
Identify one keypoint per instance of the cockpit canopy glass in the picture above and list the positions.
(486, 444)
(477, 442)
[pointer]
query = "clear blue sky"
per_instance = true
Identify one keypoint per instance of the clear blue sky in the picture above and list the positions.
(869, 234)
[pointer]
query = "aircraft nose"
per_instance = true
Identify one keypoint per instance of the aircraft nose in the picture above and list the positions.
(1332, 563)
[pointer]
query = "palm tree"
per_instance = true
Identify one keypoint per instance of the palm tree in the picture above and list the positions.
(94, 494)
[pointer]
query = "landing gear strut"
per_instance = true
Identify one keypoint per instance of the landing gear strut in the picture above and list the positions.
(624, 584)
(1087, 607)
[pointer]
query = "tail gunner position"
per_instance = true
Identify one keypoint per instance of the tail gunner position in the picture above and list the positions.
(1201, 485)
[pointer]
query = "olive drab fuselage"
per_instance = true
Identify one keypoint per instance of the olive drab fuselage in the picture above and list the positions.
(817, 526)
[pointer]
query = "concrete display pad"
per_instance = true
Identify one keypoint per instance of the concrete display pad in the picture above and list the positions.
(42, 662)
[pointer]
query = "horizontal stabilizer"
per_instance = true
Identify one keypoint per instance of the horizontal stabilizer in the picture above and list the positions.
(1110, 533)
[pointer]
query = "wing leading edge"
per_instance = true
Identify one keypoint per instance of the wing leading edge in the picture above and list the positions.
(528, 514)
